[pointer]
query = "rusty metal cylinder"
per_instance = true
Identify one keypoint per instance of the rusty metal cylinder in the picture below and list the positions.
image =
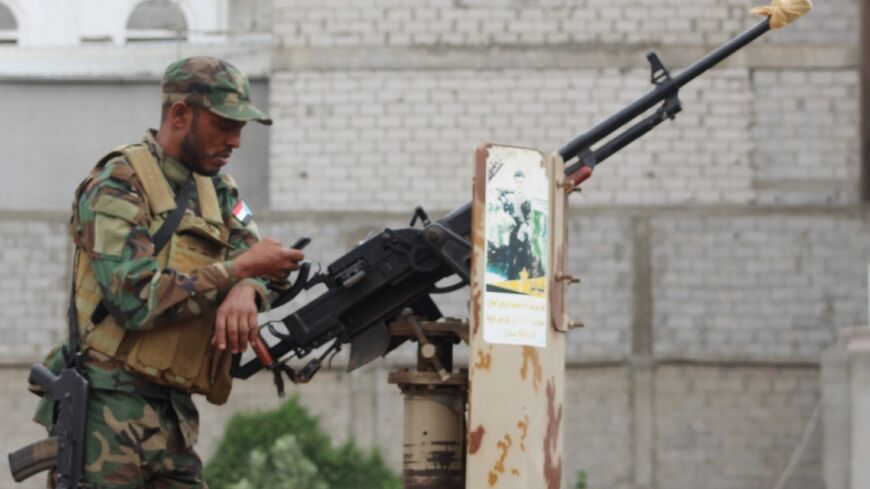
(434, 448)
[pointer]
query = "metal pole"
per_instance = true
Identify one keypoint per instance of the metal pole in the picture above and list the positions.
(435, 399)
(864, 67)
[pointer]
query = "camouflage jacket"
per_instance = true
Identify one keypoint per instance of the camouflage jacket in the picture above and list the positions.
(134, 288)
(132, 284)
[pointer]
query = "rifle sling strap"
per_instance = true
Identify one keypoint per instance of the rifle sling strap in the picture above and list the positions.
(160, 239)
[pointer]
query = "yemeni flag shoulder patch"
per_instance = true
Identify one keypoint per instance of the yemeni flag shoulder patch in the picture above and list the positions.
(243, 212)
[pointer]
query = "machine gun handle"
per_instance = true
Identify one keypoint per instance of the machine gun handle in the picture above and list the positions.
(262, 352)
(269, 363)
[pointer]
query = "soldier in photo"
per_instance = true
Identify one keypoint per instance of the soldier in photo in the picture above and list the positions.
(511, 251)
(169, 277)
(519, 208)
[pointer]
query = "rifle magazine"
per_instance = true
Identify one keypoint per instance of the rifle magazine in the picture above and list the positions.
(34, 458)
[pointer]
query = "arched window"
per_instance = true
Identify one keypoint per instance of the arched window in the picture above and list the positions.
(156, 20)
(8, 26)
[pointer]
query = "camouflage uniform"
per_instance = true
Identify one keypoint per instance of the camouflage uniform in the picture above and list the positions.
(141, 434)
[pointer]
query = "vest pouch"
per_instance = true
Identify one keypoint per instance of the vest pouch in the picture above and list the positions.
(191, 352)
(198, 243)
(218, 376)
(177, 354)
(152, 351)
(213, 376)
(105, 337)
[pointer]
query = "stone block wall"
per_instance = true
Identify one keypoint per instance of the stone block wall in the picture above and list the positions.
(340, 134)
(737, 320)
(730, 427)
(35, 257)
(758, 284)
(814, 158)
(719, 256)
(734, 427)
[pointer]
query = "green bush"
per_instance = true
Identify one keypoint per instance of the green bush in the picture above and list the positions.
(344, 467)
(283, 465)
(581, 480)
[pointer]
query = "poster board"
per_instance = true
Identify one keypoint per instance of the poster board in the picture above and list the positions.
(517, 361)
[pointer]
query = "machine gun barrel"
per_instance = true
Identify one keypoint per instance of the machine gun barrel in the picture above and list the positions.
(460, 219)
(662, 91)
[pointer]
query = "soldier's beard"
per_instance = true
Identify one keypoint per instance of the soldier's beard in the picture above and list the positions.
(193, 156)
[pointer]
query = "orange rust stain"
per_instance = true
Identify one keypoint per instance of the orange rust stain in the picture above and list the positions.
(552, 466)
(478, 234)
(515, 472)
(523, 425)
(530, 356)
(556, 292)
(484, 360)
(468, 407)
(475, 438)
(477, 307)
(504, 445)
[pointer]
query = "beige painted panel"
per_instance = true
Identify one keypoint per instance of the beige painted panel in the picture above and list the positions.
(515, 413)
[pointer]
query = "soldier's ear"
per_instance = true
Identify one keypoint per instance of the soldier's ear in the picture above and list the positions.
(180, 115)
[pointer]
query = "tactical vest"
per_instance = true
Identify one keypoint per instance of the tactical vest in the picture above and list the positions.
(175, 354)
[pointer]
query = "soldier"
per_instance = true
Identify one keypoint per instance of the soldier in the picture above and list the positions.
(171, 321)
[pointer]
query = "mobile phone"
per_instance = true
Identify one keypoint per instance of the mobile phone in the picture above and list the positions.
(301, 243)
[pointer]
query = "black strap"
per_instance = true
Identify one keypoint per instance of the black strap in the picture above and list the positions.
(162, 236)
(72, 356)
(160, 239)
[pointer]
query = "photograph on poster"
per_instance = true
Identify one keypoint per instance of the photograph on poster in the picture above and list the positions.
(516, 247)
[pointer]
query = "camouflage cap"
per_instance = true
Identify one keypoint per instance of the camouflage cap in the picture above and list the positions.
(212, 84)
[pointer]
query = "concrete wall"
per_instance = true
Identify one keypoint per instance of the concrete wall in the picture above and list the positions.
(722, 402)
(719, 256)
(845, 401)
(55, 132)
(58, 23)
(729, 426)
(791, 285)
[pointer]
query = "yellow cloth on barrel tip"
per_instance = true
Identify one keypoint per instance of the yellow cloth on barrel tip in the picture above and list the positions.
(784, 12)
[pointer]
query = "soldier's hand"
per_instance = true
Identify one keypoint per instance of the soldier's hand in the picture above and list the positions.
(236, 322)
(267, 258)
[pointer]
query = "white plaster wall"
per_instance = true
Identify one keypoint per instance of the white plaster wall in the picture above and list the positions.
(65, 22)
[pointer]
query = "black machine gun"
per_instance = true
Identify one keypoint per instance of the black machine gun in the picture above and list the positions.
(399, 268)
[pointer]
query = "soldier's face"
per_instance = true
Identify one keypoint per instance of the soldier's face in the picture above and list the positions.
(210, 141)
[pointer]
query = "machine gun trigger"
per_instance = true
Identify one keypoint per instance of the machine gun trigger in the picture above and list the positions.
(280, 368)
(320, 278)
(307, 372)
